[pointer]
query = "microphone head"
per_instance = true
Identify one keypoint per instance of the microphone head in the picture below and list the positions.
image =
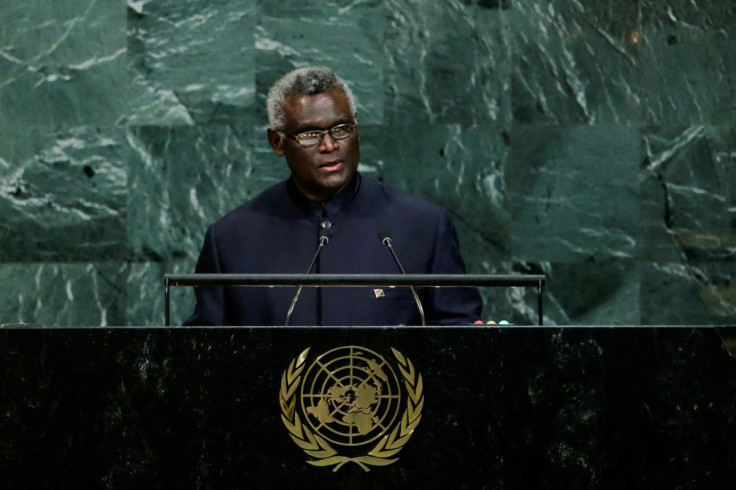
(385, 237)
(324, 235)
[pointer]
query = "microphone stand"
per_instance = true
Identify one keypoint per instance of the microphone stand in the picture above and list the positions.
(324, 237)
(386, 240)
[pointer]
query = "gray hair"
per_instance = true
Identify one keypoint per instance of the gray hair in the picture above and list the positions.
(311, 80)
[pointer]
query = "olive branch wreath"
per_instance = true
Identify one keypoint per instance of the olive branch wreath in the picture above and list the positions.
(317, 447)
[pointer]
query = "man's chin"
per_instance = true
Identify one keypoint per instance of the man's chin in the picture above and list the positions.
(337, 179)
(332, 187)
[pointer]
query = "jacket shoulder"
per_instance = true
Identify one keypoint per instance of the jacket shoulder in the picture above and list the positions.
(267, 202)
(400, 201)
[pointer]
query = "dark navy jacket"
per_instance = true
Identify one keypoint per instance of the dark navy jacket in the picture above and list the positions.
(278, 232)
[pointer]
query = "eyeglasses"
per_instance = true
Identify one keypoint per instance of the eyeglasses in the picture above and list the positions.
(311, 138)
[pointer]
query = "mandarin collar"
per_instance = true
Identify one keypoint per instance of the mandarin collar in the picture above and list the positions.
(333, 206)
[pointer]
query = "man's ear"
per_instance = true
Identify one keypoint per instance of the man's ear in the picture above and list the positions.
(276, 140)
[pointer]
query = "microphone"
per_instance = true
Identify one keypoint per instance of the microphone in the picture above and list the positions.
(386, 240)
(325, 233)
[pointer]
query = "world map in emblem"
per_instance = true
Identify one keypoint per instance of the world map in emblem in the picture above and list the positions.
(350, 396)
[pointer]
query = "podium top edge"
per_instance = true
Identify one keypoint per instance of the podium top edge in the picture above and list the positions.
(22, 326)
(451, 280)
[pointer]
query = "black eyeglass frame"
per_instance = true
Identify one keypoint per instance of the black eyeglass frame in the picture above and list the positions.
(319, 134)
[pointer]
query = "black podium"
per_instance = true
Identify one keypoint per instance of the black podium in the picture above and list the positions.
(482, 407)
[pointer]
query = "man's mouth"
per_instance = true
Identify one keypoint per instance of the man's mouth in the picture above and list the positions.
(331, 165)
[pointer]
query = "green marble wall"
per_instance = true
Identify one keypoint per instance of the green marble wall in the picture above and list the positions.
(593, 141)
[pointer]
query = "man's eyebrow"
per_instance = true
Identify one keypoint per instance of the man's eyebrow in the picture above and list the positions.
(311, 127)
(306, 127)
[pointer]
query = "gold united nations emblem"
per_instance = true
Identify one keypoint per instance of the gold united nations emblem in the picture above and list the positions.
(349, 405)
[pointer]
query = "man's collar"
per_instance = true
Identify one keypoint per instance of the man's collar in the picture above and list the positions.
(334, 205)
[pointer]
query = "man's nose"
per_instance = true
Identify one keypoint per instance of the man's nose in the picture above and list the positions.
(328, 143)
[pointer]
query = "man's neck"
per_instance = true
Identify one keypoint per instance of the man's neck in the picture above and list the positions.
(326, 205)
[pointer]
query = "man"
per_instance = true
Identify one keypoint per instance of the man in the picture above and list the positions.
(314, 125)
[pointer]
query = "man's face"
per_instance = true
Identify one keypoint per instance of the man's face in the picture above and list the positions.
(323, 170)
